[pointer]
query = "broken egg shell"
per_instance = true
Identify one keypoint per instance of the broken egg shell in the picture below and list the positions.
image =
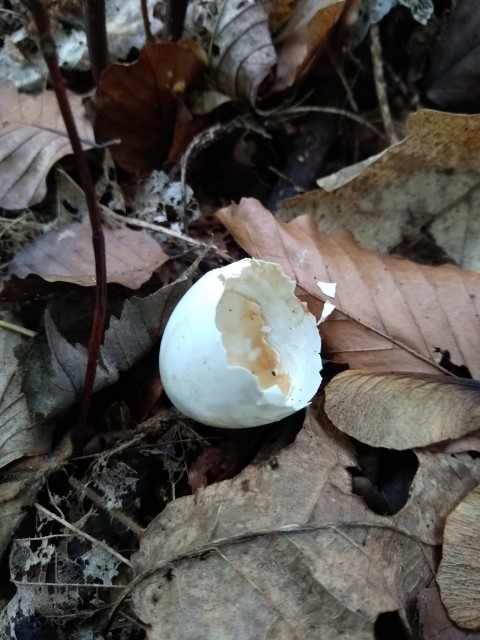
(240, 349)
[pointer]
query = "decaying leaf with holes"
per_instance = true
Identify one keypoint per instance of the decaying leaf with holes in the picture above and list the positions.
(301, 554)
(143, 105)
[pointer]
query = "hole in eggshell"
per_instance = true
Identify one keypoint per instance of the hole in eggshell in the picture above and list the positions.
(242, 327)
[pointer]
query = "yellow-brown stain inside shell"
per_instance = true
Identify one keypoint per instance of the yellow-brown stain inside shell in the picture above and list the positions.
(244, 333)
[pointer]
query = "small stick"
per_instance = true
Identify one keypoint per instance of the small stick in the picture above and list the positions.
(146, 21)
(175, 18)
(380, 87)
(15, 327)
(83, 534)
(47, 44)
(96, 29)
(127, 522)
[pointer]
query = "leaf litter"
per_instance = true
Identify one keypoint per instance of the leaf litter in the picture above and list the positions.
(334, 529)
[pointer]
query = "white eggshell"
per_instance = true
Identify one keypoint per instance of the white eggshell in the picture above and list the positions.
(240, 349)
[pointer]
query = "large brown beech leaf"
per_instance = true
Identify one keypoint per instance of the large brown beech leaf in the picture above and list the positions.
(286, 551)
(66, 255)
(32, 138)
(142, 105)
(392, 314)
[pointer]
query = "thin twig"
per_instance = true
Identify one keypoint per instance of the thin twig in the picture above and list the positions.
(96, 30)
(380, 87)
(294, 111)
(127, 522)
(42, 22)
(83, 534)
(143, 224)
(17, 328)
(201, 141)
(175, 18)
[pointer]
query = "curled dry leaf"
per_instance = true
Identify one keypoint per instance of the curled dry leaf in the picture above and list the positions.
(303, 38)
(391, 314)
(237, 38)
(386, 410)
(453, 81)
(66, 255)
(142, 105)
(459, 572)
(287, 551)
(429, 181)
(32, 138)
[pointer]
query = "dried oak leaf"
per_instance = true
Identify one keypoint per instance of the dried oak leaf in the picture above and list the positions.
(453, 81)
(66, 255)
(427, 182)
(142, 105)
(385, 410)
(32, 138)
(459, 572)
(237, 38)
(391, 314)
(289, 552)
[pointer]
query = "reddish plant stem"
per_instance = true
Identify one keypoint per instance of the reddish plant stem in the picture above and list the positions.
(175, 18)
(47, 45)
(96, 29)
(146, 21)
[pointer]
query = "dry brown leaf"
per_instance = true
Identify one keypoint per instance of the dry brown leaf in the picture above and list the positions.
(237, 38)
(392, 314)
(32, 138)
(400, 411)
(54, 377)
(429, 181)
(287, 551)
(303, 38)
(66, 255)
(459, 572)
(142, 105)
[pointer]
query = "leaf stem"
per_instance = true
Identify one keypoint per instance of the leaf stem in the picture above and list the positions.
(40, 16)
